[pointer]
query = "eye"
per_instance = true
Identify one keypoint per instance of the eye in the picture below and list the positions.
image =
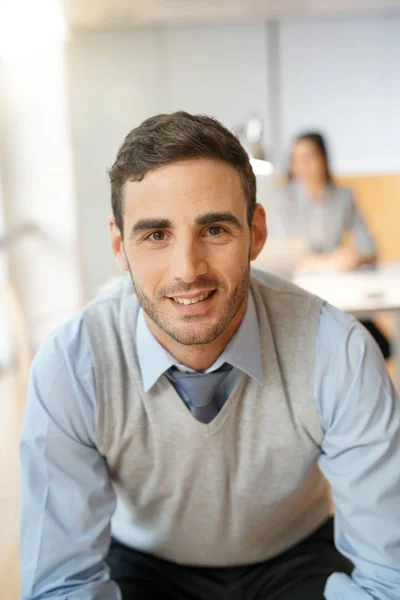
(157, 236)
(216, 231)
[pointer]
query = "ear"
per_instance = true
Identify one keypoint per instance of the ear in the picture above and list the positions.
(117, 246)
(259, 232)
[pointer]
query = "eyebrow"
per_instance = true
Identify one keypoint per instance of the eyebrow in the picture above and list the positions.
(146, 224)
(218, 217)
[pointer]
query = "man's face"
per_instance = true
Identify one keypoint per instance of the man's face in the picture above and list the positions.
(187, 245)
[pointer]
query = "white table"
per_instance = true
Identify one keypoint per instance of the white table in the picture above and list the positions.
(364, 293)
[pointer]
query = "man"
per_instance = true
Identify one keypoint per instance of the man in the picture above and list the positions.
(174, 428)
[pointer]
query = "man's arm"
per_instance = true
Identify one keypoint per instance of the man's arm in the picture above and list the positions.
(360, 415)
(66, 496)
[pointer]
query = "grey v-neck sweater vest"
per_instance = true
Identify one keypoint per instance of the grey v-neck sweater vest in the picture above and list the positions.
(238, 490)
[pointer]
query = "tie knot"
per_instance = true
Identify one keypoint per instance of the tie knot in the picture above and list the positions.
(200, 388)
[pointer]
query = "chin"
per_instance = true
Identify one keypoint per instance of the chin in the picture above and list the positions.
(196, 335)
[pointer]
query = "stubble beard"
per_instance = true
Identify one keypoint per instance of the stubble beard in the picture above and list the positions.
(191, 332)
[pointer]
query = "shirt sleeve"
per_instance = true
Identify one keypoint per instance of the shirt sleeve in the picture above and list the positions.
(360, 416)
(358, 228)
(66, 496)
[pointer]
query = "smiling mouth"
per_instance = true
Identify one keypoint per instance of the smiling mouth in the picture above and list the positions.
(187, 301)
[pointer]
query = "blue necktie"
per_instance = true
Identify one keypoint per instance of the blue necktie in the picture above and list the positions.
(200, 390)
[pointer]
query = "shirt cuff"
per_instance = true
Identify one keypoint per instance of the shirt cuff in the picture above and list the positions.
(342, 586)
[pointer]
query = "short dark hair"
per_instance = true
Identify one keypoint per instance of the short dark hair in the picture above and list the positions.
(319, 142)
(168, 138)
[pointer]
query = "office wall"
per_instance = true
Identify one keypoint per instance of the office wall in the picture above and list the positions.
(221, 71)
(341, 76)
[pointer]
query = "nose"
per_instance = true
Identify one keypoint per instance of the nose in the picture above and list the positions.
(188, 260)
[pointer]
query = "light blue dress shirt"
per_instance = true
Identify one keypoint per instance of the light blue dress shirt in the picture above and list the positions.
(68, 499)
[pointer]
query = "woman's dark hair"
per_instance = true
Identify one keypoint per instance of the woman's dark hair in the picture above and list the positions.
(169, 138)
(320, 144)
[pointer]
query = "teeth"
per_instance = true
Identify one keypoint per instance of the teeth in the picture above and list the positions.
(187, 301)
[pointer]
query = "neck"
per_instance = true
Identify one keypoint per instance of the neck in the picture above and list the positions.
(198, 357)
(315, 189)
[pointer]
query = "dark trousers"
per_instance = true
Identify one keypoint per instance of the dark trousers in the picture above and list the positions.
(297, 574)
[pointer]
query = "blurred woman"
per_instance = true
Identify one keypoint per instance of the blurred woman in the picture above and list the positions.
(311, 205)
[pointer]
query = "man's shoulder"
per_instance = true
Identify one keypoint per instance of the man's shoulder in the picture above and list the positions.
(289, 311)
(277, 286)
(70, 342)
(335, 325)
(341, 334)
(113, 292)
(114, 301)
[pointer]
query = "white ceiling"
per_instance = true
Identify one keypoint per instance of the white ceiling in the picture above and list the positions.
(112, 14)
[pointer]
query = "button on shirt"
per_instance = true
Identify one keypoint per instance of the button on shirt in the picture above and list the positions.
(61, 467)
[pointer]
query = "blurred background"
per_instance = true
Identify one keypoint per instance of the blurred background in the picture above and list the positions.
(76, 76)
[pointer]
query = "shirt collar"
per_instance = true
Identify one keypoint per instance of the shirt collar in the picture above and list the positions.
(242, 352)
